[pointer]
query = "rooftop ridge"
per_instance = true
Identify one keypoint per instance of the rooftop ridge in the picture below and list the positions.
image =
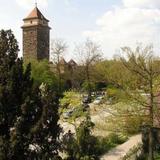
(35, 13)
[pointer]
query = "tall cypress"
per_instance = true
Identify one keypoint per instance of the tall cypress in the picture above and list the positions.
(28, 115)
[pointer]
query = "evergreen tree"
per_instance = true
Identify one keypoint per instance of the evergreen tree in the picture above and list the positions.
(28, 115)
(82, 144)
(14, 85)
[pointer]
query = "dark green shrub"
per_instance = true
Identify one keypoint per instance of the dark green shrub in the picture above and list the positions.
(82, 145)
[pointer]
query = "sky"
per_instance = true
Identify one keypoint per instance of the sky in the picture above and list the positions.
(110, 23)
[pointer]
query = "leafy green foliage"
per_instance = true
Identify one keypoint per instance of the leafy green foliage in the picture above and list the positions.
(116, 94)
(41, 73)
(84, 137)
(112, 72)
(86, 86)
(126, 118)
(82, 144)
(145, 157)
(104, 144)
(71, 98)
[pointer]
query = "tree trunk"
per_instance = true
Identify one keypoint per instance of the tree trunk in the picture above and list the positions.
(88, 81)
(151, 151)
(59, 77)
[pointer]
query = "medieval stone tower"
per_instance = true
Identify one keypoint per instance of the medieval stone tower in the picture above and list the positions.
(36, 35)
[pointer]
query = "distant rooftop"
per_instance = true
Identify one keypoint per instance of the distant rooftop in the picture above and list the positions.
(62, 61)
(72, 62)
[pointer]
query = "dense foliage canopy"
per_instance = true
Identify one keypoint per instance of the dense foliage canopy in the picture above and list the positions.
(28, 113)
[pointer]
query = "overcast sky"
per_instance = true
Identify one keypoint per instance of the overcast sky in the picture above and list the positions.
(112, 23)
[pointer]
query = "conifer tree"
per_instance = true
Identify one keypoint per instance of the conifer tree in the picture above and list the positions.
(14, 85)
(28, 115)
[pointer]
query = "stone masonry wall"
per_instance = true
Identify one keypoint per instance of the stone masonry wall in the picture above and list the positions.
(30, 42)
(43, 42)
(36, 42)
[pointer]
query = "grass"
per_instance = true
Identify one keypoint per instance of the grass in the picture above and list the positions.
(157, 157)
(145, 157)
(104, 144)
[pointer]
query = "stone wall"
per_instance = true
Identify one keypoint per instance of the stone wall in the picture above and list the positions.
(43, 43)
(36, 42)
(30, 42)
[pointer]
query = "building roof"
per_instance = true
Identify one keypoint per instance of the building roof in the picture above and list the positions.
(35, 13)
(62, 61)
(72, 62)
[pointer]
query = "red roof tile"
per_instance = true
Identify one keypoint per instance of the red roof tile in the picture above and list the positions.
(35, 13)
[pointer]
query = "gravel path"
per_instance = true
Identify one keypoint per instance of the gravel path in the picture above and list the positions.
(121, 150)
(98, 116)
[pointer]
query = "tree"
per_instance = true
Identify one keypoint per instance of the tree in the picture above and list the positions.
(82, 144)
(28, 115)
(89, 54)
(144, 67)
(46, 130)
(112, 72)
(15, 85)
(41, 73)
(58, 48)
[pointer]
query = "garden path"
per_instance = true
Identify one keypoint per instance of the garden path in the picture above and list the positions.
(121, 150)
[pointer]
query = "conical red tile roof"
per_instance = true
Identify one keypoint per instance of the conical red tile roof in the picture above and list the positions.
(35, 13)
